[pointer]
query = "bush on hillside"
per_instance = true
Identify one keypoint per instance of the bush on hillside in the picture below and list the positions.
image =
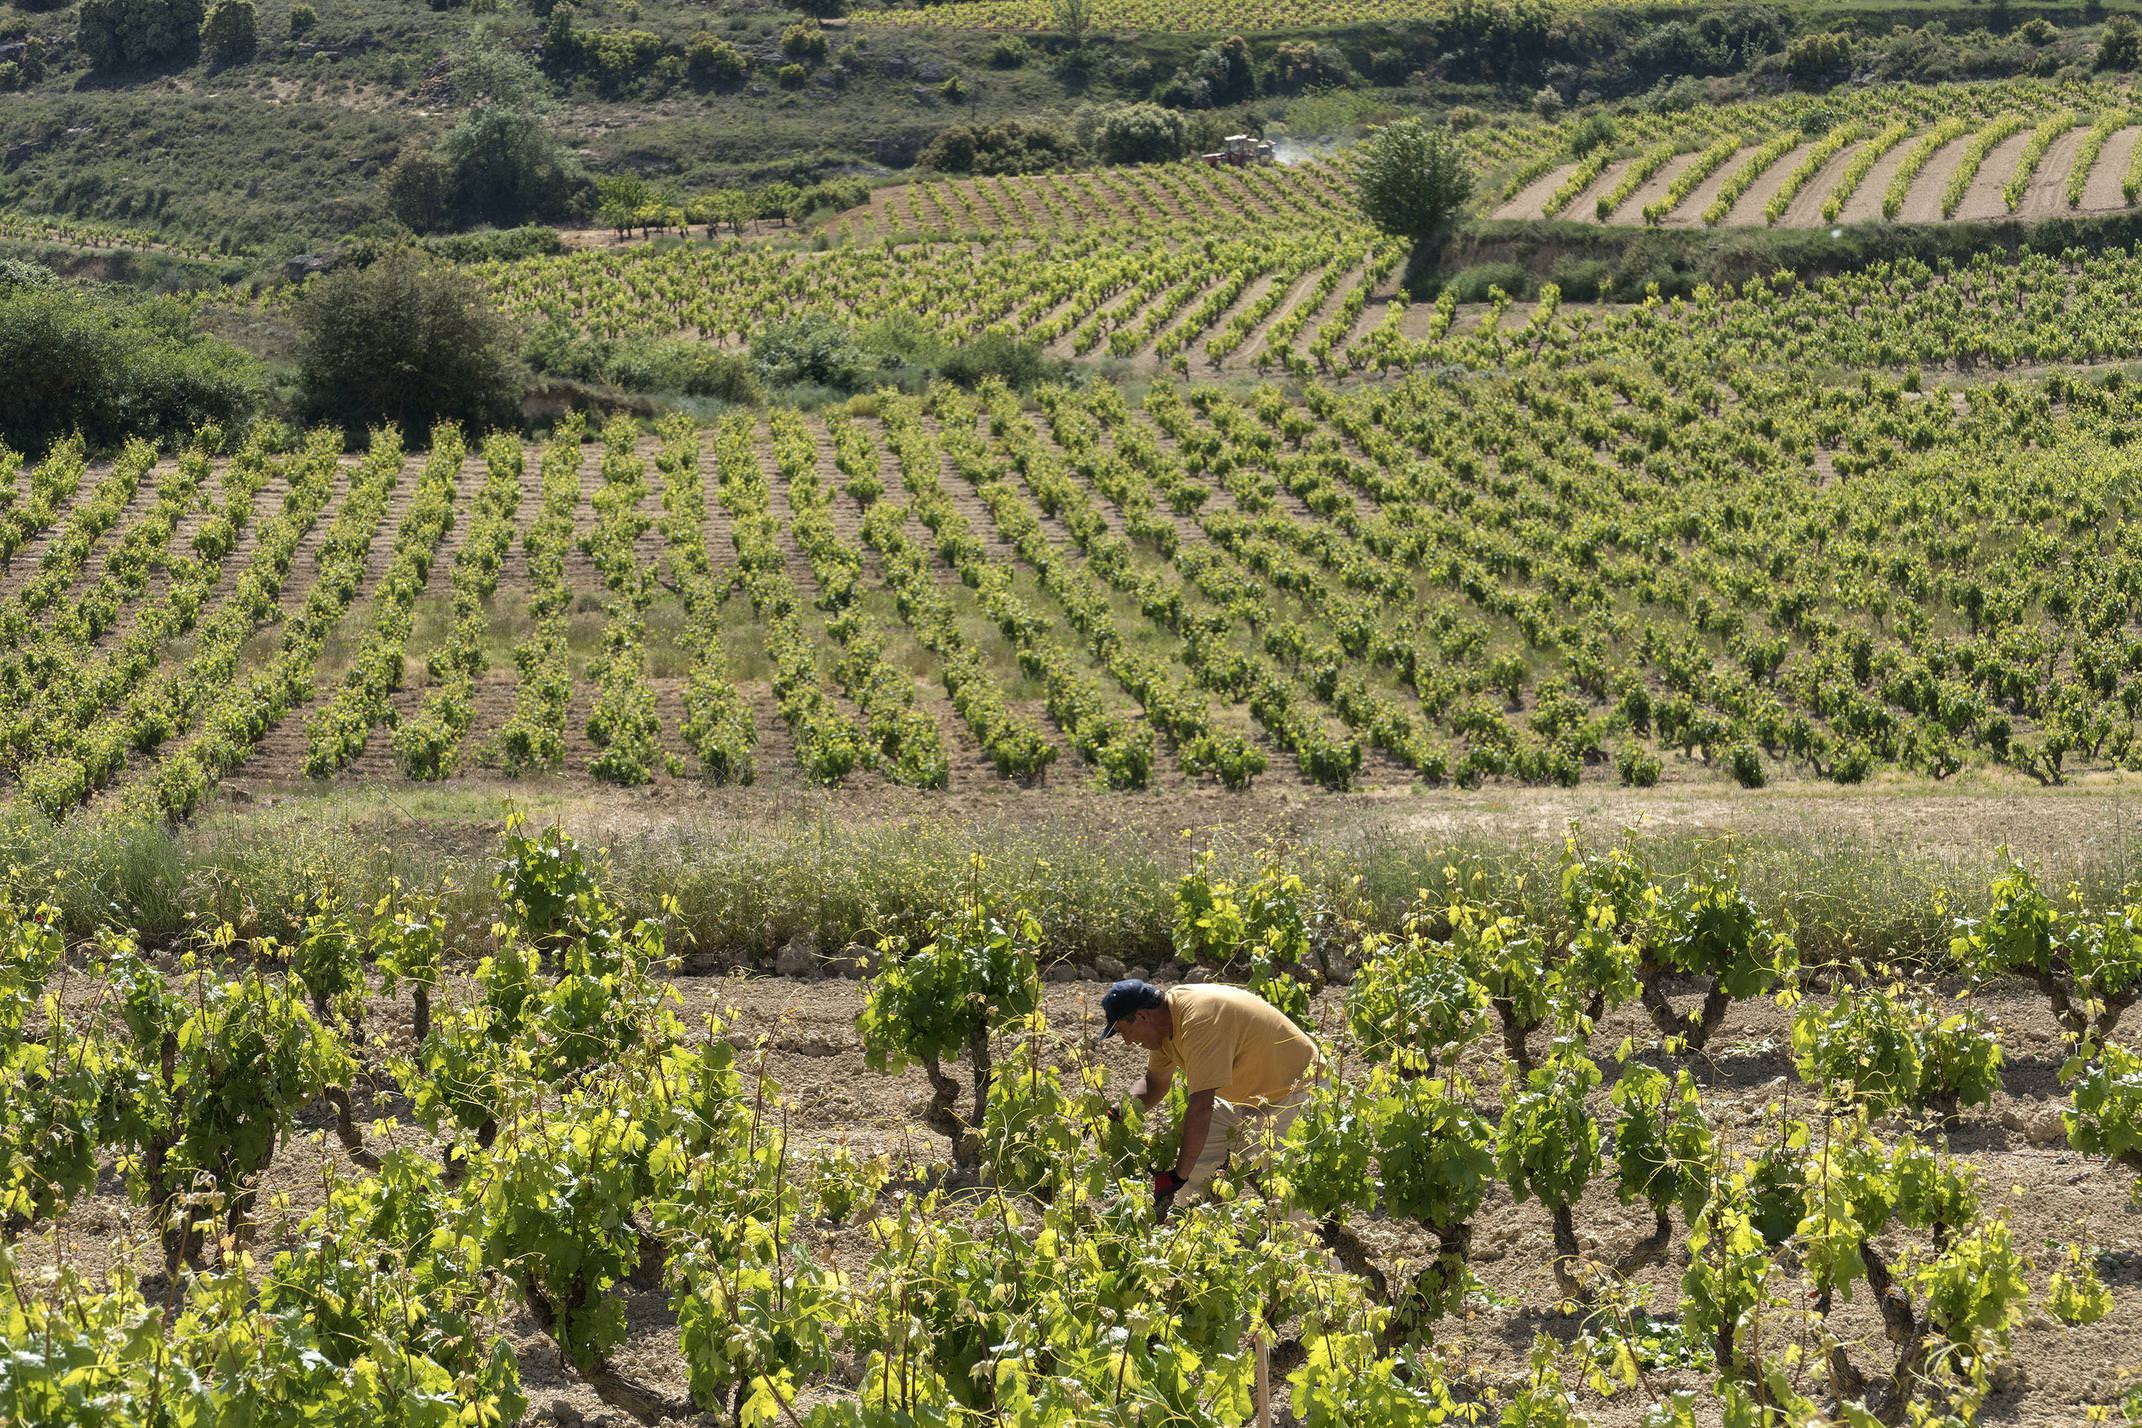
(2120, 47)
(674, 365)
(1007, 148)
(230, 31)
(1139, 134)
(507, 168)
(1591, 132)
(1304, 64)
(407, 341)
(814, 350)
(117, 34)
(418, 188)
(1221, 74)
(710, 61)
(110, 368)
(804, 41)
(1820, 60)
(22, 273)
(1018, 364)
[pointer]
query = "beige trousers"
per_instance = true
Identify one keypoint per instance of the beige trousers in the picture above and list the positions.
(1243, 1136)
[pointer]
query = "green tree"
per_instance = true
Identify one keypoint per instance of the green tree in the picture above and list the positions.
(2120, 47)
(119, 33)
(404, 341)
(1073, 19)
(110, 368)
(1413, 179)
(419, 189)
(506, 166)
(302, 18)
(1140, 134)
(1818, 60)
(620, 199)
(815, 349)
(230, 31)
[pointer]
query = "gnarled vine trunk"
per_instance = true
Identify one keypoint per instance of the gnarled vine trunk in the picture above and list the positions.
(1515, 1031)
(346, 1128)
(1695, 1029)
(611, 1384)
(1567, 1253)
(942, 1114)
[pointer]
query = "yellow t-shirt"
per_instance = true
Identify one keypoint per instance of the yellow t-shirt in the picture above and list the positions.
(1233, 1042)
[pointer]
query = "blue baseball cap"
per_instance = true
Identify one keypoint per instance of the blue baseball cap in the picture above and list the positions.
(1127, 998)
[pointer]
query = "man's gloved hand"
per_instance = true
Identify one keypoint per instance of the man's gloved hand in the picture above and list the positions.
(1165, 1185)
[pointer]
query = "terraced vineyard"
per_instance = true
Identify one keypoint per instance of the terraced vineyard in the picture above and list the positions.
(2020, 149)
(1178, 267)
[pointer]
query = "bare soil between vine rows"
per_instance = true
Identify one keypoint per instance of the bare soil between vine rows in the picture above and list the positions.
(802, 1033)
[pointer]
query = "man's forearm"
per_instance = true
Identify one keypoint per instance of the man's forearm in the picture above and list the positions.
(1147, 1094)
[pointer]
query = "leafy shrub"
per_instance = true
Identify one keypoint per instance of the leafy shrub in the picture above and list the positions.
(681, 365)
(302, 19)
(1818, 60)
(1017, 363)
(1221, 74)
(1892, 1051)
(976, 975)
(418, 188)
(1479, 282)
(803, 41)
(22, 273)
(110, 369)
(675, 365)
(28, 66)
(1007, 148)
(2120, 46)
(1139, 134)
(1010, 52)
(506, 166)
(815, 349)
(791, 76)
(406, 341)
(119, 33)
(1592, 132)
(1637, 765)
(1304, 64)
(618, 59)
(1581, 279)
(709, 60)
(230, 31)
(502, 245)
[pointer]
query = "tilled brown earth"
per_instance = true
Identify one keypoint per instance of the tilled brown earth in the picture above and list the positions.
(802, 1033)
